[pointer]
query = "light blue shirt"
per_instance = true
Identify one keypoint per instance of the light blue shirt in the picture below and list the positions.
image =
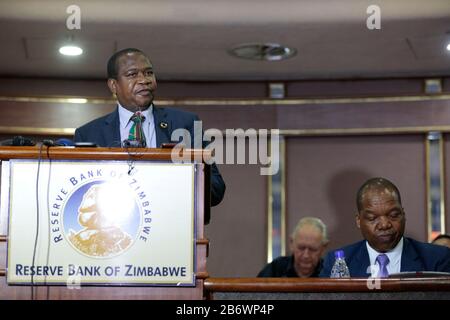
(394, 255)
(148, 126)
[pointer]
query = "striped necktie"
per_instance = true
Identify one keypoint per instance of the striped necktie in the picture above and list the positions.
(136, 131)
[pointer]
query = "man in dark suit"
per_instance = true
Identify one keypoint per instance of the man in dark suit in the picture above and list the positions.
(132, 80)
(381, 219)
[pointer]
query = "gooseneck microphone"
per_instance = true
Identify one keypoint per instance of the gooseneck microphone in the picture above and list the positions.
(57, 143)
(18, 141)
(133, 144)
(49, 143)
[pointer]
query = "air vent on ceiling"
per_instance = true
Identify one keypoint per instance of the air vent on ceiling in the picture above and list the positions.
(263, 51)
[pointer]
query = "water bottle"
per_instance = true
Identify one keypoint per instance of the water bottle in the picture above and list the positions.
(340, 269)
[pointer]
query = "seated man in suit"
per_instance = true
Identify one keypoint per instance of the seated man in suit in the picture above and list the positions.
(442, 240)
(307, 243)
(385, 250)
(136, 119)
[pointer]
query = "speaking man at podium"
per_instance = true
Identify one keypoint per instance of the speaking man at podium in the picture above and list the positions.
(137, 122)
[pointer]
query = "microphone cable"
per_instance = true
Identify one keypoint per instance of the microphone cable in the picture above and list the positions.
(49, 219)
(133, 155)
(48, 143)
(37, 221)
(45, 143)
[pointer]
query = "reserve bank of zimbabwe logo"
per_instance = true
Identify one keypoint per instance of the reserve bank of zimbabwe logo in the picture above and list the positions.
(101, 218)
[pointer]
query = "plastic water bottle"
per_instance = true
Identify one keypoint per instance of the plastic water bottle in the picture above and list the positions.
(340, 269)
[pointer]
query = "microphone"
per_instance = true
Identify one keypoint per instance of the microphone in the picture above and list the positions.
(18, 141)
(63, 142)
(49, 143)
(133, 144)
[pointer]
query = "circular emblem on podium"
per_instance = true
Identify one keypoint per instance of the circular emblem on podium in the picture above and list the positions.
(101, 219)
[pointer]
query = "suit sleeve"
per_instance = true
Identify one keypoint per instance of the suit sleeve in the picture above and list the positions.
(217, 186)
(217, 183)
(444, 264)
(266, 272)
(77, 137)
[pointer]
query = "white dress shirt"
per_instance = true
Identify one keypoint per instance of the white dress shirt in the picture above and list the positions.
(394, 255)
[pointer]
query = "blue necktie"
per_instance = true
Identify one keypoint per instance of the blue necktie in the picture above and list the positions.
(383, 261)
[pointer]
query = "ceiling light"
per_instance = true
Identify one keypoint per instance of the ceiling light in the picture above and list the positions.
(448, 47)
(76, 100)
(70, 50)
(263, 51)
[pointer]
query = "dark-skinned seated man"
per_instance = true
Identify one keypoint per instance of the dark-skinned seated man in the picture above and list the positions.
(307, 243)
(132, 80)
(385, 251)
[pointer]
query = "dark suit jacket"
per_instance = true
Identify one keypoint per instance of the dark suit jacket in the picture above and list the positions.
(283, 267)
(416, 256)
(105, 132)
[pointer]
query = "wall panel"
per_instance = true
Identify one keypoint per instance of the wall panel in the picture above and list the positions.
(237, 231)
(324, 174)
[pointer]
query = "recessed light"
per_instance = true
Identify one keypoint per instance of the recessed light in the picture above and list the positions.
(263, 51)
(76, 100)
(70, 50)
(448, 47)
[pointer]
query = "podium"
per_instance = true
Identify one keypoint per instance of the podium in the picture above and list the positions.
(66, 232)
(421, 288)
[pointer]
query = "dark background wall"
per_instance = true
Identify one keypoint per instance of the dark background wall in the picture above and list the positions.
(324, 173)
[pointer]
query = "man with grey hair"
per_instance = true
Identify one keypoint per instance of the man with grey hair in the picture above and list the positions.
(307, 244)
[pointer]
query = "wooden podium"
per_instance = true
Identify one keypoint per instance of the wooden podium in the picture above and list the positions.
(44, 291)
(429, 288)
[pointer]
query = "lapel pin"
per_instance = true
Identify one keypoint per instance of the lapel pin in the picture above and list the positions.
(163, 125)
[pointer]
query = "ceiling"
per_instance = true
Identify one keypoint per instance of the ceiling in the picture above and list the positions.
(189, 39)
